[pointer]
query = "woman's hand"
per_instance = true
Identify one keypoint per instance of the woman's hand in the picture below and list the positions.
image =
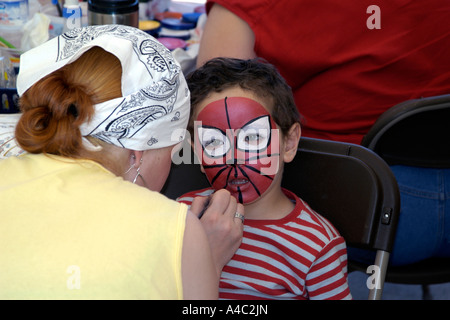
(223, 229)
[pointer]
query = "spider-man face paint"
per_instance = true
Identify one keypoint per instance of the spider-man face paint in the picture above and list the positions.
(239, 144)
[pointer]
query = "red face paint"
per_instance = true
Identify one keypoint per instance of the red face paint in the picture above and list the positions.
(239, 144)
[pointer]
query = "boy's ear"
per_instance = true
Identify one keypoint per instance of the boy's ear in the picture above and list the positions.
(291, 141)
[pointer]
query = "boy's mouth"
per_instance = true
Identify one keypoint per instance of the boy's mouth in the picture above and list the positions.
(237, 183)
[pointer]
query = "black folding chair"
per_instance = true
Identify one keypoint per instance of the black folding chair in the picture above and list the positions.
(346, 183)
(415, 133)
(353, 188)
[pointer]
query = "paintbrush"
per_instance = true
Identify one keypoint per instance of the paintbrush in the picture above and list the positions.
(206, 206)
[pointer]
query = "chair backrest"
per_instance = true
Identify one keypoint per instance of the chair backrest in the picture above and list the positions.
(415, 132)
(348, 184)
(351, 186)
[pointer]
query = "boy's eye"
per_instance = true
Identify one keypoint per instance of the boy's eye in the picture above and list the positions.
(252, 138)
(255, 135)
(214, 142)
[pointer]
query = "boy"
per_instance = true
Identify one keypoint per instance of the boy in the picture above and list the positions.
(246, 126)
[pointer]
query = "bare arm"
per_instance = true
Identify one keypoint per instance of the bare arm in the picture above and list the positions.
(199, 276)
(225, 35)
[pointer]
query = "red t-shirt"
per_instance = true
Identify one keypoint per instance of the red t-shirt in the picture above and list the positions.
(343, 73)
(301, 256)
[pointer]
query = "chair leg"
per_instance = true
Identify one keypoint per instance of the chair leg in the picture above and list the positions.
(381, 260)
(426, 294)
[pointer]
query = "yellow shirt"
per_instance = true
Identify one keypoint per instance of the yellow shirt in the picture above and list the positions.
(73, 230)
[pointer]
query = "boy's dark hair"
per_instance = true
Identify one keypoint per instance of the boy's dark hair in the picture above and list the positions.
(255, 75)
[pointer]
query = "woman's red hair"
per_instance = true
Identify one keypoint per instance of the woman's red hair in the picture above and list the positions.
(54, 107)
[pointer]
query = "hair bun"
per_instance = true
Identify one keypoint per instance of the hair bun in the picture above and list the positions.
(53, 110)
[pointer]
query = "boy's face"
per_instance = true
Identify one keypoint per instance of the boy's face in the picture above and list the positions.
(239, 146)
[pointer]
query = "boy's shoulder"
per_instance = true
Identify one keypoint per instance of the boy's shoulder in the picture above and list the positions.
(188, 197)
(306, 216)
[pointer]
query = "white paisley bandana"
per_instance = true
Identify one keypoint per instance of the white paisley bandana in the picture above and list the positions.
(154, 109)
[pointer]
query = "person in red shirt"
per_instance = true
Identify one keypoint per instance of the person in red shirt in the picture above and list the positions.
(347, 62)
(343, 73)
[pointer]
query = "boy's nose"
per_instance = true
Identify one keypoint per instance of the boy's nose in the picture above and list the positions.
(235, 156)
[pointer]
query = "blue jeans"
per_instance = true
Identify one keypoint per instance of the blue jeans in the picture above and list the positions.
(424, 224)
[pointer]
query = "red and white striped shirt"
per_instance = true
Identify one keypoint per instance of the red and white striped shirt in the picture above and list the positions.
(301, 256)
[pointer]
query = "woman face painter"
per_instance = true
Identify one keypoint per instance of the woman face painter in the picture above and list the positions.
(101, 109)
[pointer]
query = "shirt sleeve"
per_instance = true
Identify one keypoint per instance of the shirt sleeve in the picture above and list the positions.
(188, 197)
(327, 278)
